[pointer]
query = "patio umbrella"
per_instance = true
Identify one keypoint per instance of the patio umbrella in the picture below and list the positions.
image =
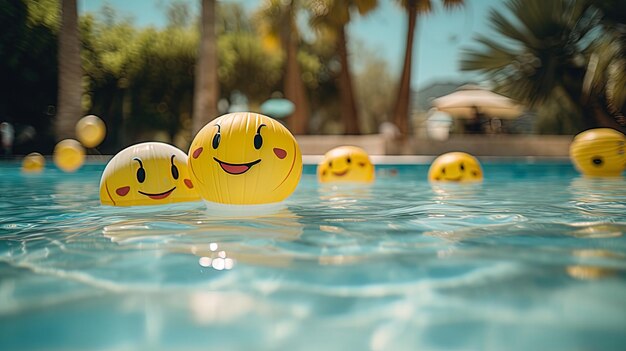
(470, 100)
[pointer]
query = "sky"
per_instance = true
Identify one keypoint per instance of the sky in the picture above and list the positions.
(440, 37)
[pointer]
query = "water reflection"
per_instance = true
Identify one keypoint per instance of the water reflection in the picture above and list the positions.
(599, 197)
(338, 194)
(219, 242)
(454, 191)
(212, 307)
(594, 264)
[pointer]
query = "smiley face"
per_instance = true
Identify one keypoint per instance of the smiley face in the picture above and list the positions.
(346, 164)
(243, 159)
(455, 167)
(599, 152)
(147, 174)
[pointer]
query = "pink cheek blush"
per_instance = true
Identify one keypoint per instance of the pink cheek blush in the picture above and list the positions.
(197, 152)
(280, 153)
(188, 183)
(122, 191)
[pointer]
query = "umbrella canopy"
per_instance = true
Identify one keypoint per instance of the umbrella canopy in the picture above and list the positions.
(469, 100)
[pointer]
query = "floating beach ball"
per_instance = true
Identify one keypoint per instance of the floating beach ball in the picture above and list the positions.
(245, 158)
(147, 174)
(599, 152)
(68, 155)
(346, 164)
(90, 131)
(455, 167)
(33, 163)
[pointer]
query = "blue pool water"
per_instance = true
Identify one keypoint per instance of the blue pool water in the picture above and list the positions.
(534, 258)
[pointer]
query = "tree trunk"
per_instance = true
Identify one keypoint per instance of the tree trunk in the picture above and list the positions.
(403, 100)
(206, 89)
(348, 105)
(69, 109)
(298, 121)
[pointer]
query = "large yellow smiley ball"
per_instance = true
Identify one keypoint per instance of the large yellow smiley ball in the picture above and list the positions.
(147, 174)
(599, 152)
(455, 167)
(346, 164)
(243, 159)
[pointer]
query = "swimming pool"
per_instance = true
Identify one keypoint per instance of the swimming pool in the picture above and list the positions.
(532, 258)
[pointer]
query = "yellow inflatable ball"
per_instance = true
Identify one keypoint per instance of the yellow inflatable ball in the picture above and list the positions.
(245, 158)
(599, 152)
(90, 131)
(147, 174)
(33, 163)
(346, 164)
(455, 167)
(68, 155)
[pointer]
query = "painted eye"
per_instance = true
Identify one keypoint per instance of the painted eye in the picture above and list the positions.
(258, 139)
(462, 167)
(216, 140)
(174, 169)
(348, 160)
(597, 160)
(330, 164)
(217, 137)
(443, 170)
(141, 175)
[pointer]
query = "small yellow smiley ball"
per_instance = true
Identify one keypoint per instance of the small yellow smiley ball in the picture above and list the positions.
(245, 158)
(33, 163)
(147, 174)
(68, 155)
(455, 167)
(346, 164)
(599, 152)
(90, 131)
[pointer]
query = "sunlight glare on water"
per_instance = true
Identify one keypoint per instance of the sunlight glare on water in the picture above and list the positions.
(532, 258)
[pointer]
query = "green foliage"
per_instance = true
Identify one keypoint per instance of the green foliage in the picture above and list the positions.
(140, 80)
(28, 66)
(245, 66)
(548, 50)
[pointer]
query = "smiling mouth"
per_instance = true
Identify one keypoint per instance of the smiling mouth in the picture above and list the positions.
(236, 168)
(340, 174)
(159, 196)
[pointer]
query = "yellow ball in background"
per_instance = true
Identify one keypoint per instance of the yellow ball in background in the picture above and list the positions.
(346, 164)
(455, 167)
(599, 152)
(90, 131)
(33, 163)
(68, 155)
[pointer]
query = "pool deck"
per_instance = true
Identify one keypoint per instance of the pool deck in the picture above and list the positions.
(414, 150)
(502, 145)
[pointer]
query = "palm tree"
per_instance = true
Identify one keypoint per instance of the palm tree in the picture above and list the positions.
(280, 19)
(206, 89)
(335, 15)
(70, 73)
(413, 8)
(606, 70)
(551, 53)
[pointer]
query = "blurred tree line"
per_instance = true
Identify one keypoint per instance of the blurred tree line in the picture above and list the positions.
(564, 58)
(140, 80)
